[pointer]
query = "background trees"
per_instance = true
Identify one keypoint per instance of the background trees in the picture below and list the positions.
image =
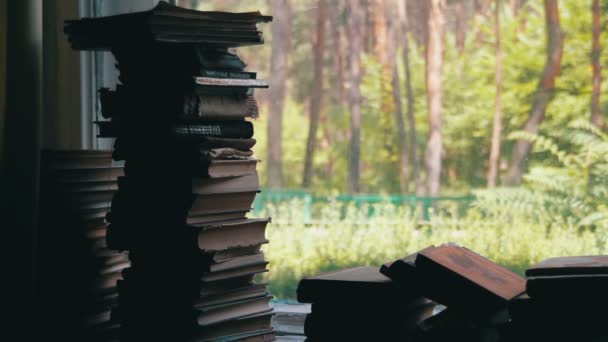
(392, 36)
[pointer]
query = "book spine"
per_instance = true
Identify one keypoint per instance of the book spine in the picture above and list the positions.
(240, 130)
(229, 74)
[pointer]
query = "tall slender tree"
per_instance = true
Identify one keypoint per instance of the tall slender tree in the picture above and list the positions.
(316, 97)
(596, 114)
(434, 90)
(497, 127)
(414, 155)
(393, 38)
(544, 90)
(278, 81)
(355, 25)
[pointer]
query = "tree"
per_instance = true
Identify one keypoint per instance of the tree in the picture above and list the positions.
(596, 114)
(316, 98)
(355, 25)
(544, 90)
(497, 127)
(413, 156)
(393, 32)
(434, 64)
(278, 82)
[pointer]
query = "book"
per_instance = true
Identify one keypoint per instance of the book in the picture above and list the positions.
(232, 234)
(120, 103)
(237, 184)
(166, 23)
(570, 310)
(195, 219)
(220, 203)
(208, 142)
(574, 265)
(233, 294)
(365, 283)
(236, 327)
(554, 287)
(195, 132)
(237, 262)
(235, 273)
(224, 312)
(235, 252)
(477, 287)
(403, 271)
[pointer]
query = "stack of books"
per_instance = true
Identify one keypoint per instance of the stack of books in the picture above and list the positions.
(473, 290)
(179, 117)
(360, 304)
(565, 300)
(76, 300)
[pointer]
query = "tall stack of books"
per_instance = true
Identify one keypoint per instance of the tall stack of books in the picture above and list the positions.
(78, 272)
(565, 301)
(360, 304)
(179, 119)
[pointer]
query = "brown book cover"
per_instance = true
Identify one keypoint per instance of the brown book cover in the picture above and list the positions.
(232, 234)
(232, 294)
(208, 186)
(465, 281)
(210, 142)
(573, 265)
(235, 273)
(231, 167)
(195, 219)
(221, 203)
(235, 252)
(237, 262)
(221, 313)
(364, 283)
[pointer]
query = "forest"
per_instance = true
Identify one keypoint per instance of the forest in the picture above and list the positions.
(500, 99)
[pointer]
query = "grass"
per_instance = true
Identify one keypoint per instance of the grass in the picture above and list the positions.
(335, 240)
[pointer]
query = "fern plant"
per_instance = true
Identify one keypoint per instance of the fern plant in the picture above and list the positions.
(572, 183)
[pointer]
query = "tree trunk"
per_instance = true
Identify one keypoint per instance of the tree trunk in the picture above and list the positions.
(316, 98)
(544, 90)
(497, 128)
(596, 114)
(355, 25)
(339, 43)
(394, 33)
(276, 101)
(414, 156)
(380, 31)
(434, 64)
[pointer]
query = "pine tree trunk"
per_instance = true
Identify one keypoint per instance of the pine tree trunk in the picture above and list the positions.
(316, 98)
(393, 30)
(596, 114)
(414, 155)
(278, 83)
(355, 25)
(497, 128)
(339, 43)
(434, 64)
(555, 47)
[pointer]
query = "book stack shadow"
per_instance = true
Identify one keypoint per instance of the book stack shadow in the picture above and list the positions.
(180, 120)
(77, 270)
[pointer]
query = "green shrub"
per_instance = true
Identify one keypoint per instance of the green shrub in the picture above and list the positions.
(508, 237)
